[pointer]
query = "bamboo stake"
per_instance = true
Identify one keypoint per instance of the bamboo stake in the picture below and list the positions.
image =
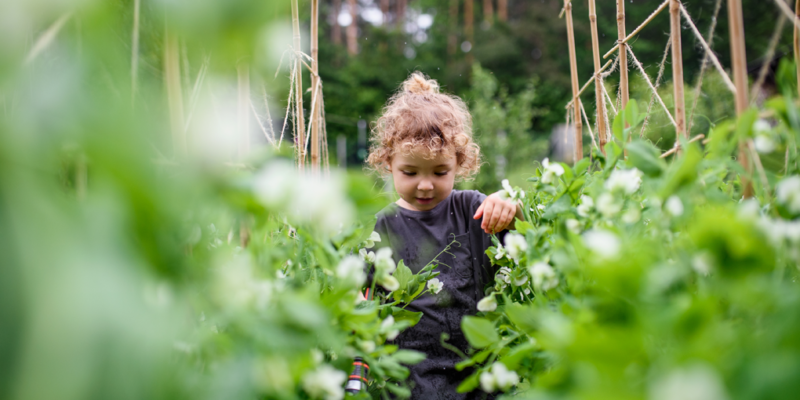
(314, 118)
(677, 69)
(589, 82)
(352, 29)
(488, 12)
(243, 116)
(739, 59)
(336, 29)
(135, 48)
(299, 117)
(502, 10)
(401, 13)
(639, 28)
(678, 145)
(797, 44)
(172, 82)
(623, 55)
(598, 82)
(573, 69)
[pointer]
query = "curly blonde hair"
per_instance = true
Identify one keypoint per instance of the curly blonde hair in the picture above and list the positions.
(419, 116)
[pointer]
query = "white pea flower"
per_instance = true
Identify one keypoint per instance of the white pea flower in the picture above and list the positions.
(498, 378)
(626, 181)
(702, 263)
(488, 383)
(388, 282)
(674, 206)
(435, 286)
(384, 263)
(544, 278)
(551, 171)
(586, 206)
(603, 243)
(764, 144)
(540, 207)
(749, 209)
(367, 256)
(351, 268)
(608, 205)
(373, 237)
(521, 280)
(487, 304)
(368, 346)
(573, 225)
(504, 274)
(325, 383)
(386, 327)
(501, 252)
(697, 382)
(632, 216)
(788, 193)
(761, 125)
(515, 245)
(510, 193)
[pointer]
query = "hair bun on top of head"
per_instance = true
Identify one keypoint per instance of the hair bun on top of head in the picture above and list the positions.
(418, 83)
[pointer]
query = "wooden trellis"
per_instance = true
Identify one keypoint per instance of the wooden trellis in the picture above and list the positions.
(678, 15)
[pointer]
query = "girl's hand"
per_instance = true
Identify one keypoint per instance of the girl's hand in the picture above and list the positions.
(498, 213)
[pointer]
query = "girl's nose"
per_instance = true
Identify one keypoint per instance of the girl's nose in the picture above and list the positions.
(425, 185)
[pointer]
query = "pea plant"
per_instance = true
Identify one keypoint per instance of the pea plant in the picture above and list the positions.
(634, 278)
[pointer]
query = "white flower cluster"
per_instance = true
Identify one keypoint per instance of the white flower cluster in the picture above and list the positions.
(387, 328)
(516, 246)
(325, 383)
(487, 304)
(280, 187)
(384, 267)
(586, 206)
(551, 171)
(435, 286)
(764, 141)
(626, 181)
(544, 277)
(498, 378)
(787, 193)
(351, 270)
(603, 243)
(509, 193)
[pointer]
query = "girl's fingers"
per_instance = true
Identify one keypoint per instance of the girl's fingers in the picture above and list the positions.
(487, 215)
(497, 213)
(479, 213)
(509, 217)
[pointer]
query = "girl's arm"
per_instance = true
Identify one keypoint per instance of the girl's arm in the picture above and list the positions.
(498, 213)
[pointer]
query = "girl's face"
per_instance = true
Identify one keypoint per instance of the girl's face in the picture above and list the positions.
(421, 183)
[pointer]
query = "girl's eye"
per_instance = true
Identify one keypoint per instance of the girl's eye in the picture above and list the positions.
(441, 173)
(407, 173)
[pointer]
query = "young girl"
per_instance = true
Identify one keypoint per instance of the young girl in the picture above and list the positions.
(424, 140)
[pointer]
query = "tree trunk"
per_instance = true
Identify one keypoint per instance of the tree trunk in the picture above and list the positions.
(502, 10)
(488, 11)
(336, 29)
(352, 29)
(452, 37)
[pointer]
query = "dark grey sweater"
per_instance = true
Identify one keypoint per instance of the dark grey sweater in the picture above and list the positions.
(417, 237)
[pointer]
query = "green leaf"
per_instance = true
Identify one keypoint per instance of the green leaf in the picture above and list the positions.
(582, 166)
(400, 314)
(409, 357)
(613, 152)
(632, 116)
(683, 171)
(522, 316)
(644, 156)
(469, 384)
(563, 204)
(403, 274)
(618, 127)
(521, 227)
(480, 332)
(514, 357)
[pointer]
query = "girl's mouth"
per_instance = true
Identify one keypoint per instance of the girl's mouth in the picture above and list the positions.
(421, 200)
